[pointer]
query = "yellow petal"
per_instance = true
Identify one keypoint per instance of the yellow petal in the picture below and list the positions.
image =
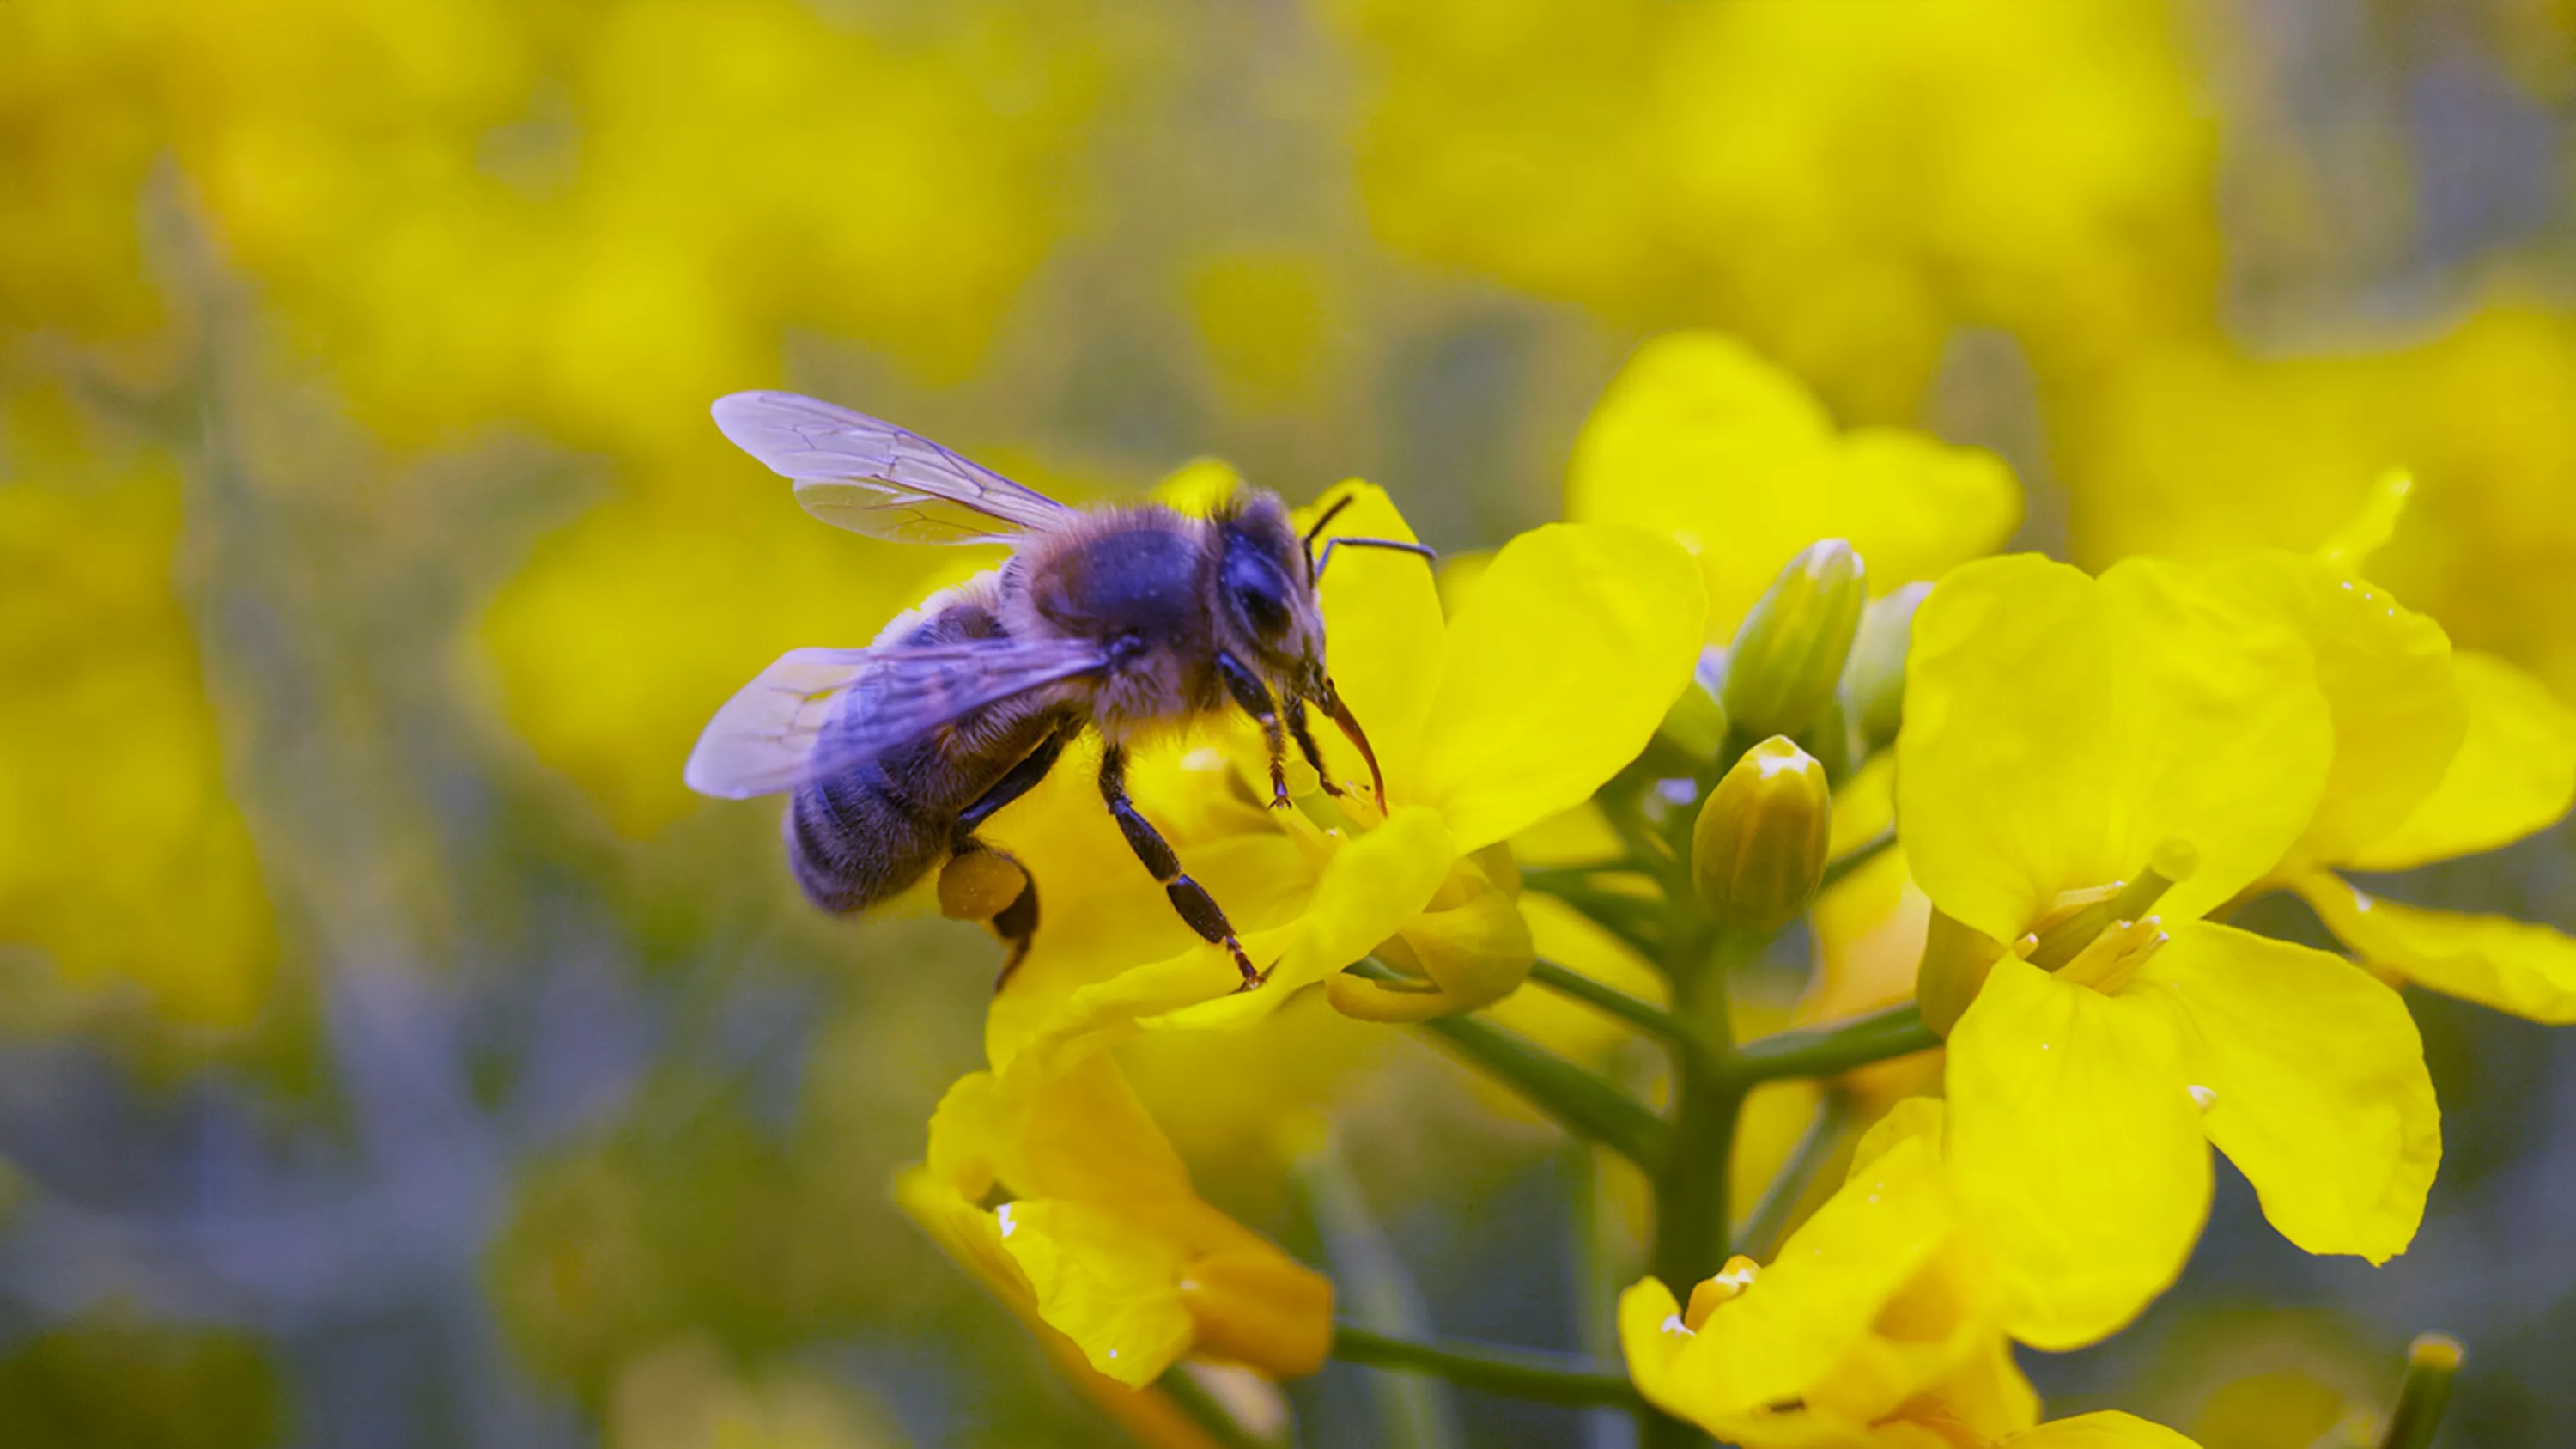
(1652, 1339)
(1252, 1304)
(2387, 678)
(2513, 774)
(1912, 1119)
(2108, 1430)
(2314, 1082)
(1700, 439)
(1864, 805)
(2060, 728)
(2078, 1148)
(1369, 890)
(1470, 944)
(1564, 660)
(1383, 636)
(973, 1239)
(1104, 1282)
(2496, 961)
(2349, 548)
(1119, 1253)
(1807, 1315)
(1917, 508)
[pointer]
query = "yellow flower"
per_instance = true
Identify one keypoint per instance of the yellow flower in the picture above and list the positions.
(123, 858)
(1552, 676)
(1093, 1230)
(2438, 753)
(2065, 736)
(1700, 439)
(1877, 1326)
(1850, 195)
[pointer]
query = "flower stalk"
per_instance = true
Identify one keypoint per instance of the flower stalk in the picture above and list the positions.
(1523, 1373)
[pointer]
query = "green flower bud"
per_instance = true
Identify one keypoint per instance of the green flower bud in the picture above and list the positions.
(1696, 723)
(1788, 656)
(1874, 679)
(1758, 847)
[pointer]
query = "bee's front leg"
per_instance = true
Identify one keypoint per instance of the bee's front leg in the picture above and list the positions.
(1254, 696)
(1305, 738)
(1188, 897)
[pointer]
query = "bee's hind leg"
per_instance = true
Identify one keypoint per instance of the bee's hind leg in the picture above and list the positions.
(1188, 897)
(1017, 922)
(1017, 925)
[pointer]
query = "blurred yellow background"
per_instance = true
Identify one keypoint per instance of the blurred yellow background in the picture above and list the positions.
(391, 1050)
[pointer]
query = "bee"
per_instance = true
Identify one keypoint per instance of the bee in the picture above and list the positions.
(1121, 620)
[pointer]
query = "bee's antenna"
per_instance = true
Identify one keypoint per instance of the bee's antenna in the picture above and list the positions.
(1340, 714)
(1313, 570)
(1420, 550)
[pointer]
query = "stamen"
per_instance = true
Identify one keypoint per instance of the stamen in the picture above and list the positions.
(2171, 863)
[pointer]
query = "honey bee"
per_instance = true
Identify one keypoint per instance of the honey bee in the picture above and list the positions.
(1121, 620)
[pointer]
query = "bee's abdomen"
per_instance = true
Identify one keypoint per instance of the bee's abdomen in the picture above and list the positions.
(853, 843)
(866, 835)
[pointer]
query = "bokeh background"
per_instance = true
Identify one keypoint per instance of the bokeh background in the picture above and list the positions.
(392, 1052)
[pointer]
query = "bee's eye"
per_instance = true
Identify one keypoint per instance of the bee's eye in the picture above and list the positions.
(1264, 610)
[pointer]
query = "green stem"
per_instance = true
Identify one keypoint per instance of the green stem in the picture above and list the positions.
(1549, 877)
(1371, 1286)
(1763, 1230)
(1522, 1373)
(1643, 1015)
(1840, 867)
(1630, 918)
(1690, 1181)
(2432, 1362)
(1579, 1101)
(1826, 1051)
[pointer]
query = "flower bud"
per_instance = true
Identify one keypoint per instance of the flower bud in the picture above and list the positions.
(1468, 948)
(1788, 655)
(1696, 723)
(1758, 847)
(1874, 678)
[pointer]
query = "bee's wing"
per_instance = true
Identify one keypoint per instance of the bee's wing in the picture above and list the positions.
(870, 477)
(820, 711)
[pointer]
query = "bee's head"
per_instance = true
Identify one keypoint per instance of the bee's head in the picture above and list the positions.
(1265, 605)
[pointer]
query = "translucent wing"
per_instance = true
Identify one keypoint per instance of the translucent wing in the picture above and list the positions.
(821, 711)
(855, 472)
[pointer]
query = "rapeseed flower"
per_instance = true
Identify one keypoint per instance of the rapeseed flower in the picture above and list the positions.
(1699, 438)
(1551, 677)
(1877, 1326)
(1065, 1198)
(1850, 196)
(125, 862)
(2071, 744)
(2469, 753)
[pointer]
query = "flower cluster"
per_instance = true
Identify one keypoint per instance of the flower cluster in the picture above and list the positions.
(1767, 670)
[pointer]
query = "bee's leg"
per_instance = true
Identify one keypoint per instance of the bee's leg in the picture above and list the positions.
(1016, 923)
(1017, 781)
(1188, 897)
(1254, 696)
(1305, 739)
